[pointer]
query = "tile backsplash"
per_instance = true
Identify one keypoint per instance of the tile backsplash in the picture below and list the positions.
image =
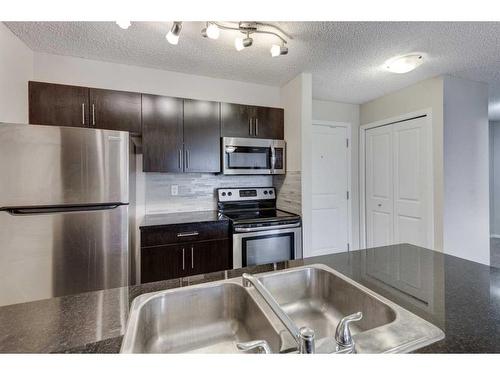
(289, 191)
(196, 191)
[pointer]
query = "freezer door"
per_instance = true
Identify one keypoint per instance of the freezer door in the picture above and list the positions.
(44, 255)
(52, 165)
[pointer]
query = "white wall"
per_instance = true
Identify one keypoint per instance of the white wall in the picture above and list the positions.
(495, 178)
(296, 99)
(466, 173)
(93, 73)
(342, 112)
(16, 69)
(427, 94)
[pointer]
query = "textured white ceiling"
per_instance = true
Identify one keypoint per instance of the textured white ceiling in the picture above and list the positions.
(344, 58)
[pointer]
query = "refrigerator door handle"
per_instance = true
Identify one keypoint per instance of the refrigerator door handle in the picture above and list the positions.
(55, 209)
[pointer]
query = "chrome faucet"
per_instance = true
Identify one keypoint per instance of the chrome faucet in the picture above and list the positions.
(304, 337)
(343, 336)
(261, 345)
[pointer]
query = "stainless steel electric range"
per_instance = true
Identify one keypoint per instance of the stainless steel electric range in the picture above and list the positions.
(261, 233)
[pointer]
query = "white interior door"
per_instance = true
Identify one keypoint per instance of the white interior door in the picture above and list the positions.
(379, 187)
(398, 184)
(411, 183)
(330, 219)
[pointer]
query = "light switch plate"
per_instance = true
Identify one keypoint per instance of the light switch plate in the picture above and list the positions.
(174, 189)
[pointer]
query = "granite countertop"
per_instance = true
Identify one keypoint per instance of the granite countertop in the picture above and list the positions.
(159, 220)
(460, 297)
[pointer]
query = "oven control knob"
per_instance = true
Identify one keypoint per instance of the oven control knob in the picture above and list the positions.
(265, 192)
(271, 192)
(223, 193)
(229, 193)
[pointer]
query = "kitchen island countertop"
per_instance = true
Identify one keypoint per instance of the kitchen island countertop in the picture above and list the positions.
(460, 297)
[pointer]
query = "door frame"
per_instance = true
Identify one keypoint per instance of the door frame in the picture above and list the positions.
(362, 168)
(348, 127)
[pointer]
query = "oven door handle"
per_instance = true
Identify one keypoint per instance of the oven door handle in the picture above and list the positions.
(260, 229)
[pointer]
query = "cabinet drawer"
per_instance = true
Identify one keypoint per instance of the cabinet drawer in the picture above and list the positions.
(179, 233)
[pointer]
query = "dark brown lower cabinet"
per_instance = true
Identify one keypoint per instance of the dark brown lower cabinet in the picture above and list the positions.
(172, 261)
(162, 262)
(209, 256)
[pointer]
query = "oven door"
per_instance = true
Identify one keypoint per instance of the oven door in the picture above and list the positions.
(266, 246)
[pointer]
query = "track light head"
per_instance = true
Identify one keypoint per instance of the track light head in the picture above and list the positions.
(242, 43)
(123, 24)
(173, 34)
(277, 50)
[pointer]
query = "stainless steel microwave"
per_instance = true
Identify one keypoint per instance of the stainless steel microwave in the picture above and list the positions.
(253, 156)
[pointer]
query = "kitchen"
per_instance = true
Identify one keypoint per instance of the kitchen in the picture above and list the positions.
(236, 206)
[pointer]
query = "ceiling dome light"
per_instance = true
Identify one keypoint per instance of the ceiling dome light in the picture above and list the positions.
(123, 24)
(405, 63)
(173, 34)
(277, 50)
(242, 43)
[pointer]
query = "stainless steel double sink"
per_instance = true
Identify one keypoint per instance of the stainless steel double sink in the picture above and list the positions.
(214, 317)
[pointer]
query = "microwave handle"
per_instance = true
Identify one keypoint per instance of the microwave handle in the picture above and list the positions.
(273, 158)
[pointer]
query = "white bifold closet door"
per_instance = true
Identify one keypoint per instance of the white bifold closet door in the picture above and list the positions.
(398, 184)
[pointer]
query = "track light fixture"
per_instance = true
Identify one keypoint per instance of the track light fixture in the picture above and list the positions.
(212, 30)
(173, 34)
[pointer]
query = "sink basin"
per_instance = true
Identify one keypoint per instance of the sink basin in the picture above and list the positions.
(201, 319)
(319, 297)
(214, 317)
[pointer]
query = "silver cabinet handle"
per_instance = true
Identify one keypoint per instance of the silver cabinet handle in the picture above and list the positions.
(256, 126)
(250, 126)
(273, 158)
(192, 257)
(93, 114)
(83, 113)
(183, 259)
(187, 234)
(187, 159)
(180, 159)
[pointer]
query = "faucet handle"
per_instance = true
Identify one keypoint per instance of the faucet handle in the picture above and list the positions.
(343, 333)
(262, 345)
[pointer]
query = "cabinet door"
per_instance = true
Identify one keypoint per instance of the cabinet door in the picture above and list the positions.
(269, 123)
(115, 110)
(162, 134)
(163, 262)
(201, 136)
(51, 104)
(209, 256)
(237, 120)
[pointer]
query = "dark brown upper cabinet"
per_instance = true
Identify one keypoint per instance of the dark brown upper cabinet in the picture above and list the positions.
(115, 110)
(269, 123)
(245, 121)
(162, 134)
(52, 104)
(201, 136)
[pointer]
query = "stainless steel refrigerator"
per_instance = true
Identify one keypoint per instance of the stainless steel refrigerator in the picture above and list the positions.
(64, 197)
